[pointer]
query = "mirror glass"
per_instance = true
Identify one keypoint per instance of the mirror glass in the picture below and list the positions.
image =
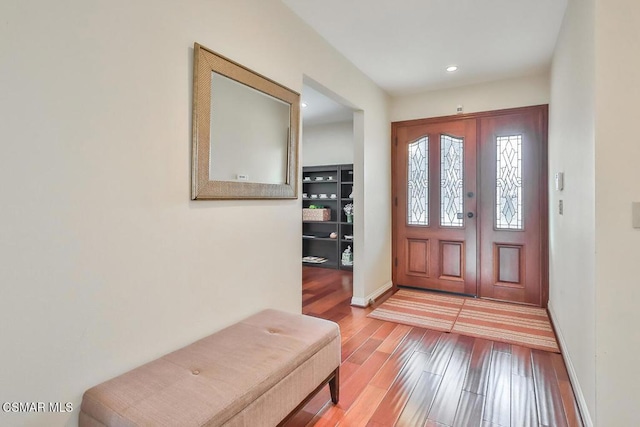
(249, 134)
(245, 132)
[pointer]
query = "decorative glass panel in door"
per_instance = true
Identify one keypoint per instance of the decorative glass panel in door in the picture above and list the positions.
(509, 182)
(418, 182)
(451, 181)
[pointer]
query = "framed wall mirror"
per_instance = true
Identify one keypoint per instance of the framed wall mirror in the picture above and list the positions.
(245, 132)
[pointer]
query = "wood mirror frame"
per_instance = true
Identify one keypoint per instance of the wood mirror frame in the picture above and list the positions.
(203, 186)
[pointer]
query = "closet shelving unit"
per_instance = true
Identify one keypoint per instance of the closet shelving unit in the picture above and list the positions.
(327, 180)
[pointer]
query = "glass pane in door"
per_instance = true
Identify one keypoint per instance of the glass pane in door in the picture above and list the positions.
(451, 181)
(418, 182)
(509, 182)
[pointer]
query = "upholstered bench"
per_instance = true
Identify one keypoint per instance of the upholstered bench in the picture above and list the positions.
(257, 372)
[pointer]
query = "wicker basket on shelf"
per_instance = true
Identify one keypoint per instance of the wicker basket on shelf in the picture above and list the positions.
(316, 214)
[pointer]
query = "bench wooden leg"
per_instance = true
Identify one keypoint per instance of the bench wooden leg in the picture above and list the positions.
(334, 386)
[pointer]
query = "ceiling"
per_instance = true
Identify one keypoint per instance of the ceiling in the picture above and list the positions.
(405, 45)
(321, 109)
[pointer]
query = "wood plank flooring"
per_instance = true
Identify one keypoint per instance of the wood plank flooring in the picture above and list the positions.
(397, 375)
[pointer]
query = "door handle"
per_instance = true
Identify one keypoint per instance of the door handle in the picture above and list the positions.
(470, 214)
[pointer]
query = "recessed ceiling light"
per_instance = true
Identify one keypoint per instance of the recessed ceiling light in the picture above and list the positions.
(303, 105)
(452, 68)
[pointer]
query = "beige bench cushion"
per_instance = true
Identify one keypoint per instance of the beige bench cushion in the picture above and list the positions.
(213, 379)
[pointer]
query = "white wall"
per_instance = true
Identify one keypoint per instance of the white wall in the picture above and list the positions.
(372, 211)
(520, 92)
(617, 153)
(327, 144)
(572, 235)
(106, 263)
(594, 270)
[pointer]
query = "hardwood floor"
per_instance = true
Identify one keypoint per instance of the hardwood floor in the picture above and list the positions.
(398, 375)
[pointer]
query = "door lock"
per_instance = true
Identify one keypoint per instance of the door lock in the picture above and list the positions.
(470, 214)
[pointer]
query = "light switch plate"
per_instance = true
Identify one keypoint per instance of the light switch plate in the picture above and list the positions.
(635, 214)
(559, 181)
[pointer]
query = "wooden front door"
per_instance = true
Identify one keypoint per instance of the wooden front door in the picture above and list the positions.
(513, 207)
(470, 204)
(435, 203)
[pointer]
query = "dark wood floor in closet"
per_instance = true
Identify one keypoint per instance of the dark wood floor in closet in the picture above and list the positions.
(397, 375)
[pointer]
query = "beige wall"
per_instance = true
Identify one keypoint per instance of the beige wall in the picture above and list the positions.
(327, 144)
(617, 153)
(572, 283)
(594, 258)
(520, 92)
(106, 263)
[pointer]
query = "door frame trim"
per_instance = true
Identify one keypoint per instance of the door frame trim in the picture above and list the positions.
(544, 178)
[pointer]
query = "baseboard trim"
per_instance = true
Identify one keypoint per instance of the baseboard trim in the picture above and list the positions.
(582, 403)
(365, 302)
